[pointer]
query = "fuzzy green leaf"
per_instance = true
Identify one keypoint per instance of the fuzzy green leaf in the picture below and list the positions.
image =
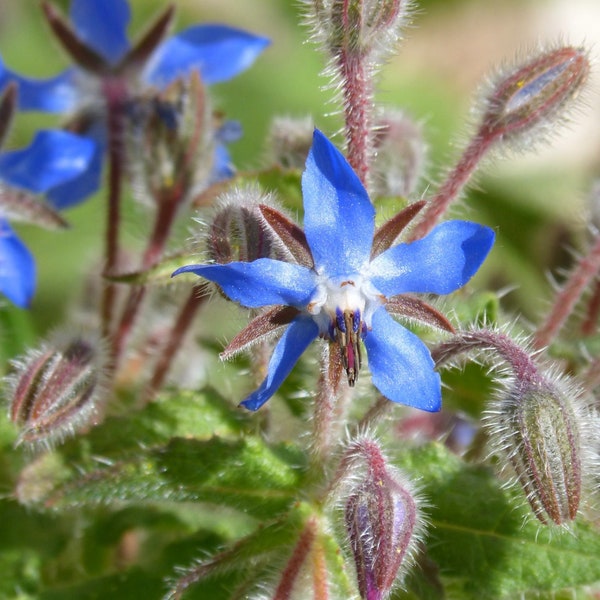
(216, 471)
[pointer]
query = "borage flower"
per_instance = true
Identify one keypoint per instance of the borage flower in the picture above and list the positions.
(347, 280)
(52, 158)
(110, 71)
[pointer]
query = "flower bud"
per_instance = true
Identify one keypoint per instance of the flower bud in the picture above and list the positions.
(381, 518)
(540, 430)
(400, 155)
(172, 142)
(535, 92)
(290, 140)
(237, 231)
(359, 26)
(56, 389)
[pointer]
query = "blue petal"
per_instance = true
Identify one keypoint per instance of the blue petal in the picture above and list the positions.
(102, 25)
(76, 190)
(401, 365)
(300, 333)
(17, 268)
(217, 51)
(222, 167)
(55, 95)
(259, 283)
(439, 263)
(339, 218)
(52, 158)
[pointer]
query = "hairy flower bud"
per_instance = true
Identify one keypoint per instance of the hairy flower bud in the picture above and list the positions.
(540, 435)
(359, 25)
(290, 140)
(56, 389)
(381, 518)
(535, 92)
(237, 231)
(400, 155)
(173, 141)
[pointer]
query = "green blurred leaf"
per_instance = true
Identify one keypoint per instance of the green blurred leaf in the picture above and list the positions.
(200, 415)
(485, 540)
(16, 331)
(245, 474)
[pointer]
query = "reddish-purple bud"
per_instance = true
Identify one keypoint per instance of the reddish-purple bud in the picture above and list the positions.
(238, 231)
(56, 389)
(535, 93)
(381, 518)
(538, 429)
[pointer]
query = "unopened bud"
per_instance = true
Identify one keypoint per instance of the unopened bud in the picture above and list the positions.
(359, 26)
(535, 92)
(290, 140)
(540, 433)
(382, 522)
(400, 155)
(56, 389)
(173, 142)
(237, 232)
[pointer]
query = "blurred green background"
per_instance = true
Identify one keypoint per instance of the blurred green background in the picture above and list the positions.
(537, 205)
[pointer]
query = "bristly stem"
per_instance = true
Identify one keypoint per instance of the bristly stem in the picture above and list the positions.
(453, 185)
(564, 302)
(181, 326)
(115, 94)
(165, 215)
(358, 104)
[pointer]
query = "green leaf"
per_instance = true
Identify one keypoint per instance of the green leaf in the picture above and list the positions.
(200, 415)
(485, 540)
(245, 474)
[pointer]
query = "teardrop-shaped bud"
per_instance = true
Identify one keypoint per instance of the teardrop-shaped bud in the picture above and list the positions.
(381, 517)
(57, 389)
(543, 445)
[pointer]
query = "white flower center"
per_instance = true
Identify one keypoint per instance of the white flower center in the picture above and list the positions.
(342, 308)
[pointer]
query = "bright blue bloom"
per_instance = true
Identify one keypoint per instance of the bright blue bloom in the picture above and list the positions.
(344, 295)
(218, 52)
(52, 158)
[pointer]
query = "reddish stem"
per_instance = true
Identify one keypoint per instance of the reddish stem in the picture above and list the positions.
(453, 184)
(565, 301)
(180, 328)
(358, 103)
(292, 569)
(590, 324)
(115, 93)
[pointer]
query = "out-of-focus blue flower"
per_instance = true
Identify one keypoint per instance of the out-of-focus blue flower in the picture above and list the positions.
(53, 158)
(218, 52)
(343, 297)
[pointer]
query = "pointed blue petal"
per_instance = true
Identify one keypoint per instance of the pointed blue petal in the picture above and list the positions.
(222, 167)
(81, 187)
(219, 52)
(103, 26)
(52, 158)
(339, 218)
(259, 283)
(300, 333)
(401, 365)
(55, 95)
(440, 263)
(17, 268)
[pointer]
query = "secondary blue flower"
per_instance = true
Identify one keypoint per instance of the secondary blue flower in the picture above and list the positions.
(107, 64)
(51, 159)
(342, 297)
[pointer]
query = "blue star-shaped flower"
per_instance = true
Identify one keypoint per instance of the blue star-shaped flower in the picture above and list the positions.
(100, 47)
(343, 295)
(53, 158)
